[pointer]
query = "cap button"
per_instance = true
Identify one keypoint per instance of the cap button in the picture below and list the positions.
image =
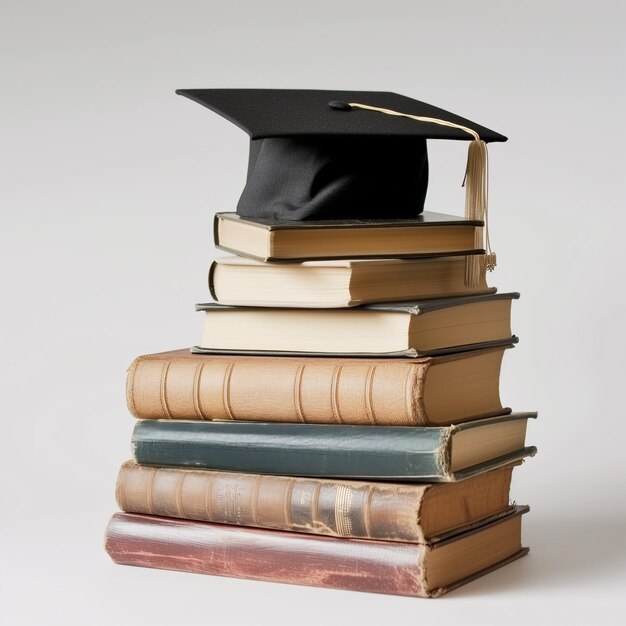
(339, 106)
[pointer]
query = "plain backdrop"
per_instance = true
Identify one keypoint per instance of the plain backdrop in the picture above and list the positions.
(108, 185)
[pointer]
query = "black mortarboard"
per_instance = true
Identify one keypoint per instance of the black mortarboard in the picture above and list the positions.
(332, 155)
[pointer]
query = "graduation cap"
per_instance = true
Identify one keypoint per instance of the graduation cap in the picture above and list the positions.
(318, 154)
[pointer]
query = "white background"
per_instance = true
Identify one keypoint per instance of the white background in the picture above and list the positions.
(108, 186)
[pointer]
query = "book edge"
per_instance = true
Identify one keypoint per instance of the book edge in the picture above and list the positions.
(424, 219)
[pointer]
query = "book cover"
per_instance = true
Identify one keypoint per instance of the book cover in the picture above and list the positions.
(384, 511)
(393, 392)
(414, 454)
(240, 281)
(471, 323)
(419, 570)
(425, 219)
(426, 235)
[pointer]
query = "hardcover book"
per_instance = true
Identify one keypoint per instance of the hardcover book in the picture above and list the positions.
(400, 329)
(422, 570)
(332, 284)
(340, 508)
(267, 239)
(412, 454)
(393, 392)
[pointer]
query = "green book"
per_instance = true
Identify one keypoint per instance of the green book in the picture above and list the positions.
(412, 454)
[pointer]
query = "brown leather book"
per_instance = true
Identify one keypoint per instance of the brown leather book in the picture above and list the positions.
(391, 392)
(429, 234)
(339, 508)
(422, 570)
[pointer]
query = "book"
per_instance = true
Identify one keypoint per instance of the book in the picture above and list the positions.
(393, 392)
(422, 570)
(407, 329)
(330, 284)
(427, 234)
(404, 453)
(339, 508)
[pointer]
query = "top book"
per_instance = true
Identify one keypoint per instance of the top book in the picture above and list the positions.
(427, 235)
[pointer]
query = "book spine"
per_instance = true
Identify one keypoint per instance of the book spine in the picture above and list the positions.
(210, 281)
(382, 391)
(269, 555)
(216, 229)
(379, 511)
(352, 452)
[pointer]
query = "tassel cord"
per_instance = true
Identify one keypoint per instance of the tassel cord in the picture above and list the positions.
(475, 181)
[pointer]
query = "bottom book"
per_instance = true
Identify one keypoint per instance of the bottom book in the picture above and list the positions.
(421, 570)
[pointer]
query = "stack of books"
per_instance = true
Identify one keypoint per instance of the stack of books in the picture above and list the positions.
(340, 423)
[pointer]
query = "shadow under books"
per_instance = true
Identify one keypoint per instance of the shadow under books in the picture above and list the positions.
(563, 553)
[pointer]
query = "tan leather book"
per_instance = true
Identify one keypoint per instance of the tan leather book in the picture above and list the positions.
(392, 392)
(340, 508)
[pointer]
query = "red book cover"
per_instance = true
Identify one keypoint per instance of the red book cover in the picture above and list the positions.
(352, 564)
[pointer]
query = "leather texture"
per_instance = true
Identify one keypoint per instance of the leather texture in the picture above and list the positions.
(271, 555)
(413, 454)
(385, 392)
(368, 510)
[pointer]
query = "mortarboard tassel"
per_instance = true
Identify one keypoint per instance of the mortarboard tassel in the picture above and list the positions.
(475, 181)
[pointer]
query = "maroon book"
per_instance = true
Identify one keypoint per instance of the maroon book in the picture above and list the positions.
(422, 570)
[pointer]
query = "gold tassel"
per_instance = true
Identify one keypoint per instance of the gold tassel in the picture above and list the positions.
(476, 183)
